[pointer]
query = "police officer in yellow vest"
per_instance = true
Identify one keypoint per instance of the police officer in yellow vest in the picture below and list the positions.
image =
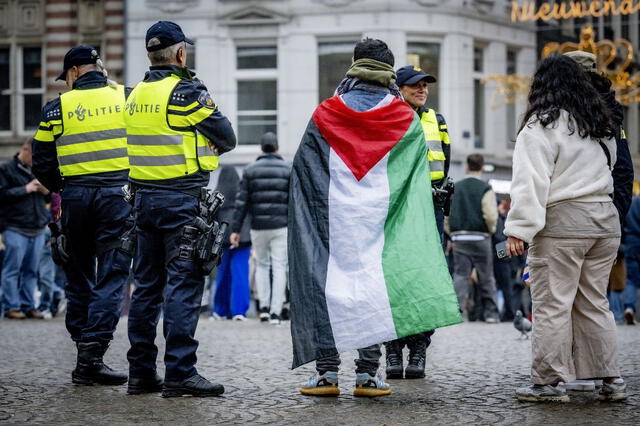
(412, 82)
(175, 134)
(80, 150)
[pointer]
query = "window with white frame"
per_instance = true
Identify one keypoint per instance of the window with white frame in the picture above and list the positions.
(512, 56)
(427, 57)
(21, 88)
(334, 59)
(478, 98)
(257, 83)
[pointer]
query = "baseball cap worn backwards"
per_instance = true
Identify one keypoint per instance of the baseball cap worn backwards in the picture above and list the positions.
(411, 75)
(163, 34)
(586, 60)
(79, 55)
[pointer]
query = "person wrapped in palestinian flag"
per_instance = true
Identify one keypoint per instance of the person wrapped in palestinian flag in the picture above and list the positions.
(365, 262)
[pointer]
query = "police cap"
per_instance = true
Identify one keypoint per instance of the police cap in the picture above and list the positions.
(79, 55)
(411, 75)
(163, 34)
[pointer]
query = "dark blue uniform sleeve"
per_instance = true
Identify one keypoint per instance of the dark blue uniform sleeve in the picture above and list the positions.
(45, 159)
(622, 176)
(191, 106)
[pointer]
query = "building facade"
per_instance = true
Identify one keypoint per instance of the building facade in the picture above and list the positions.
(269, 63)
(34, 37)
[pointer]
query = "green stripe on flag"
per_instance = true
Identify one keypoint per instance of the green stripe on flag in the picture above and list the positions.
(418, 282)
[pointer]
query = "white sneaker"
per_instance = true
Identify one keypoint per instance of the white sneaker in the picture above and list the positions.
(614, 391)
(629, 316)
(275, 319)
(580, 386)
(215, 317)
(239, 318)
(47, 314)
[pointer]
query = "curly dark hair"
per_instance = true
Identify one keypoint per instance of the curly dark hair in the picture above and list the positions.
(560, 84)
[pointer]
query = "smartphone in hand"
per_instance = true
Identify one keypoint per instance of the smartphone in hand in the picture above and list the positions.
(501, 249)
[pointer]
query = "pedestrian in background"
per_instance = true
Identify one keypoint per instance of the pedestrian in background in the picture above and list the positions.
(23, 220)
(231, 297)
(83, 156)
(471, 224)
(632, 259)
(564, 154)
(264, 194)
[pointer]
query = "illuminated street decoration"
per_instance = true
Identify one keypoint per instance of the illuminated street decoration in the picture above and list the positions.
(530, 11)
(612, 59)
(511, 89)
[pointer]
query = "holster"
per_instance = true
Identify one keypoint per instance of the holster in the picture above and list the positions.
(59, 246)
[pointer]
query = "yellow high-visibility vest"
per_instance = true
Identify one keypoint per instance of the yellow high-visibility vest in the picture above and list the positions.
(94, 138)
(436, 136)
(158, 151)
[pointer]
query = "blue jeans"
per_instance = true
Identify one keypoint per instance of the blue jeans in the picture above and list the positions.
(164, 282)
(93, 220)
(232, 283)
(46, 276)
(20, 270)
(630, 292)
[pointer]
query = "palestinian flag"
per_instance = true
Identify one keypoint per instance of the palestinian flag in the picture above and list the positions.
(365, 261)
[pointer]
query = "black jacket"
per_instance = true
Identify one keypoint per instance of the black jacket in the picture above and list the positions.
(623, 168)
(264, 193)
(17, 208)
(229, 184)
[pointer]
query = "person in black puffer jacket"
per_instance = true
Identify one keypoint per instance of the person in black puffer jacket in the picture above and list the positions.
(264, 194)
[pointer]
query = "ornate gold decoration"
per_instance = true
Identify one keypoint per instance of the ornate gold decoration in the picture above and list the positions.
(511, 89)
(608, 52)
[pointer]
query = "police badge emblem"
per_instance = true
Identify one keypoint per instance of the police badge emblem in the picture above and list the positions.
(205, 100)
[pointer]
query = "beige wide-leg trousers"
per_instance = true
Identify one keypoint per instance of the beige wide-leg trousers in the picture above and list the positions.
(574, 332)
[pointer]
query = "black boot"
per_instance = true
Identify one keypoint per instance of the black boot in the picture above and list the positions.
(90, 369)
(195, 385)
(148, 384)
(393, 351)
(417, 357)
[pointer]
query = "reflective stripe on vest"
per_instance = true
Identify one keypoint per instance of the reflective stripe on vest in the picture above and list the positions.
(94, 138)
(156, 150)
(435, 155)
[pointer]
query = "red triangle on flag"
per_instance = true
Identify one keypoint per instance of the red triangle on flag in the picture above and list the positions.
(362, 139)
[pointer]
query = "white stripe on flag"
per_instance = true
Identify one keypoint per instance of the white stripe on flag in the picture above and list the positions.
(356, 291)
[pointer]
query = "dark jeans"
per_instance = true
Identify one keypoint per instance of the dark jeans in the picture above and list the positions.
(504, 282)
(478, 254)
(93, 220)
(368, 361)
(630, 293)
(164, 282)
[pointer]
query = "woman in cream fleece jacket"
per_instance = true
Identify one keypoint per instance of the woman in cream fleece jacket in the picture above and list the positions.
(561, 207)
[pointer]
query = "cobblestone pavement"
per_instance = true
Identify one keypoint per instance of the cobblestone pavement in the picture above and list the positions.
(472, 372)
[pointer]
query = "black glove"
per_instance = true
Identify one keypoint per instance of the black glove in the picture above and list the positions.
(58, 244)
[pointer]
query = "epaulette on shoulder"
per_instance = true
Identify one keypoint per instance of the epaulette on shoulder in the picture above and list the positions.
(52, 110)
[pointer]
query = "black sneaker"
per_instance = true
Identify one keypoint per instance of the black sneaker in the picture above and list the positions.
(275, 319)
(195, 385)
(264, 314)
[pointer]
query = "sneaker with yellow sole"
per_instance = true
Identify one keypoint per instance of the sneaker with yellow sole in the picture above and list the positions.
(325, 384)
(370, 386)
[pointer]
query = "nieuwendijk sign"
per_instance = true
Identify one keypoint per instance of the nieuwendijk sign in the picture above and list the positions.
(530, 11)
